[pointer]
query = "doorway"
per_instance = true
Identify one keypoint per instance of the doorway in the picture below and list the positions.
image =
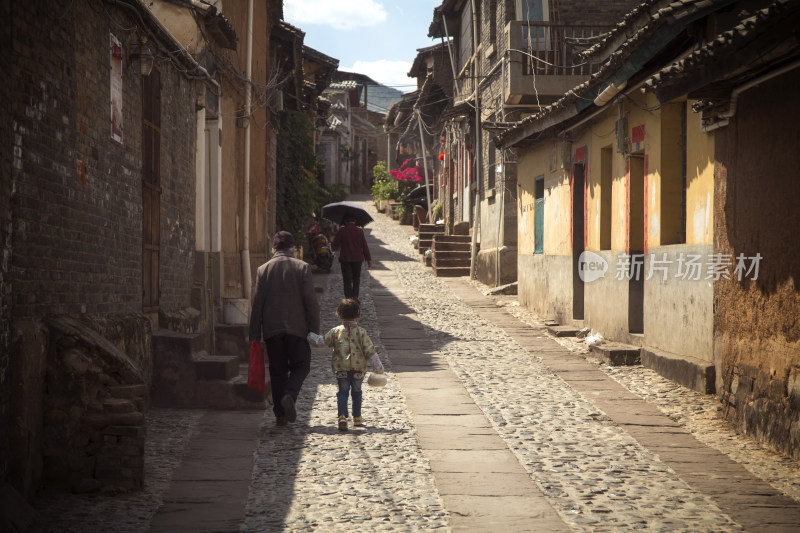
(151, 190)
(578, 242)
(636, 243)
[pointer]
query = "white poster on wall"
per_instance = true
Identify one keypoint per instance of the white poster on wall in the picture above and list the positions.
(116, 90)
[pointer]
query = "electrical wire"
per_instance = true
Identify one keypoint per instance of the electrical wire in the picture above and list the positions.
(532, 56)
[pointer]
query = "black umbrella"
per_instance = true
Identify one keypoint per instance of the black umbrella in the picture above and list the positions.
(339, 210)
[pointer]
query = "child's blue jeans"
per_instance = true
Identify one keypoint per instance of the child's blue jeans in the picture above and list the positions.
(349, 384)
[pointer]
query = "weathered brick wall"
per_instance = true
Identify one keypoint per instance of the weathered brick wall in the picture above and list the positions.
(77, 207)
(178, 188)
(76, 214)
(5, 231)
(78, 201)
(756, 328)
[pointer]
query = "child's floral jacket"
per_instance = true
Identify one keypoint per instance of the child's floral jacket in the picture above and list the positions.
(352, 347)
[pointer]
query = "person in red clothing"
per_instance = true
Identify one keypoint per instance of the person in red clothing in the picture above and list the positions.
(353, 250)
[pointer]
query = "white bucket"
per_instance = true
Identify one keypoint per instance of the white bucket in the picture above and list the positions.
(235, 310)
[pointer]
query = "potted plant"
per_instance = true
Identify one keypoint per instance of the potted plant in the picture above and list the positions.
(384, 188)
(407, 177)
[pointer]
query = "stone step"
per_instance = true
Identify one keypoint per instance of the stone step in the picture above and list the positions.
(618, 354)
(230, 394)
(454, 238)
(232, 339)
(450, 272)
(438, 262)
(563, 331)
(433, 228)
(216, 366)
(453, 254)
(450, 246)
(170, 342)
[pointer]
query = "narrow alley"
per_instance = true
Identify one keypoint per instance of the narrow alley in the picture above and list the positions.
(487, 424)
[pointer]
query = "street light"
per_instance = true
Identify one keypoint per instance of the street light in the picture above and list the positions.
(141, 58)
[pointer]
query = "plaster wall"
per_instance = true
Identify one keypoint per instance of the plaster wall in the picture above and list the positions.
(262, 210)
(678, 312)
(700, 156)
(545, 285)
(180, 23)
(606, 303)
(534, 163)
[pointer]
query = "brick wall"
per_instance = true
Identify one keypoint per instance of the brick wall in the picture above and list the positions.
(5, 232)
(178, 188)
(78, 203)
(595, 12)
(76, 213)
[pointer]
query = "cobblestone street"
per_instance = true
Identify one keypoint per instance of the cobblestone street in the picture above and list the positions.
(562, 442)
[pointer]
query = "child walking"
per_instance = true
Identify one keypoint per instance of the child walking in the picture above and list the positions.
(352, 349)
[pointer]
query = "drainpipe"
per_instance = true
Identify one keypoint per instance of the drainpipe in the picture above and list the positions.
(726, 116)
(246, 214)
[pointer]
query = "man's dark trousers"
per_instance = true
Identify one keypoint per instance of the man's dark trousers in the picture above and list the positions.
(351, 277)
(289, 364)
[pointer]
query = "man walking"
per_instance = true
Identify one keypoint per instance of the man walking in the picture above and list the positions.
(285, 310)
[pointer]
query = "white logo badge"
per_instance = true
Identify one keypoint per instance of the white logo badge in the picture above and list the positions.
(591, 266)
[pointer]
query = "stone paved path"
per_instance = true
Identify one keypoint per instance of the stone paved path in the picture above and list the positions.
(486, 424)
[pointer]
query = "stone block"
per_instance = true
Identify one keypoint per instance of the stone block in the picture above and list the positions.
(124, 431)
(108, 461)
(688, 371)
(617, 354)
(118, 405)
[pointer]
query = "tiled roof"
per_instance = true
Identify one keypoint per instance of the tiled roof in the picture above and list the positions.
(653, 23)
(730, 42)
(344, 85)
(645, 19)
(319, 56)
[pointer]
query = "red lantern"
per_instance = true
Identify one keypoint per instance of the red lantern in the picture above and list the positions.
(441, 156)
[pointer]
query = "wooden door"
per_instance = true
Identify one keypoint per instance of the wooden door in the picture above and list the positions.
(151, 189)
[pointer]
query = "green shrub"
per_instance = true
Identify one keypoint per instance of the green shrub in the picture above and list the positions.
(384, 190)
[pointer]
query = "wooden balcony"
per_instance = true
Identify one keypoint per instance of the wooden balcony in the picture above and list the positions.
(541, 66)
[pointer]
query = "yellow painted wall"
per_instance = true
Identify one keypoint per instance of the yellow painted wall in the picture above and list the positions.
(537, 161)
(661, 145)
(600, 134)
(699, 182)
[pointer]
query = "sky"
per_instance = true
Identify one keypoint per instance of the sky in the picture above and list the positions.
(378, 38)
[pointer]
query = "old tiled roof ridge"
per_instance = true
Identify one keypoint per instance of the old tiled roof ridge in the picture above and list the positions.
(738, 35)
(644, 20)
(344, 85)
(319, 56)
(641, 11)
(291, 29)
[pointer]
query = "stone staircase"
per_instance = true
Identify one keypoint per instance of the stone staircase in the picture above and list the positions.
(426, 232)
(186, 375)
(451, 255)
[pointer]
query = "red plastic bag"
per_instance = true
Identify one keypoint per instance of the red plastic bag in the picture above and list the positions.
(255, 372)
